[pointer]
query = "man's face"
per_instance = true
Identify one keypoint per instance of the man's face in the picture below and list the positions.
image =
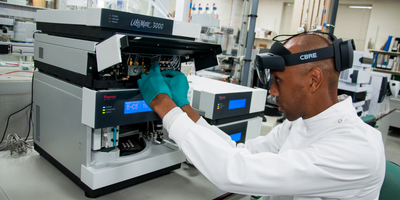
(290, 92)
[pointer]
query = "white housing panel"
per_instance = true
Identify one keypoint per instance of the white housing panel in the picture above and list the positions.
(88, 106)
(108, 52)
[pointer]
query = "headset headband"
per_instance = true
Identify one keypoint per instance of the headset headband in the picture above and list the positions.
(279, 56)
(305, 56)
(341, 51)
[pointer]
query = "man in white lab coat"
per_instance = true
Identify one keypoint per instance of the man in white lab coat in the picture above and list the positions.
(323, 151)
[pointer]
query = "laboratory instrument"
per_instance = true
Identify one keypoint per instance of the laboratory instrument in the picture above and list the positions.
(355, 82)
(394, 87)
(90, 120)
(379, 103)
(237, 110)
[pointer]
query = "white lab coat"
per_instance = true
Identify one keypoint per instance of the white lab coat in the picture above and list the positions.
(333, 155)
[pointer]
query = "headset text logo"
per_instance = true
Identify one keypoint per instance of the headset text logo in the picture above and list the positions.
(308, 56)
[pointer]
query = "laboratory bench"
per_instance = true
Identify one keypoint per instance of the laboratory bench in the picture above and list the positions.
(33, 177)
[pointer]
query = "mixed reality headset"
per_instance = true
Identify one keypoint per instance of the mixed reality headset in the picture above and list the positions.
(279, 56)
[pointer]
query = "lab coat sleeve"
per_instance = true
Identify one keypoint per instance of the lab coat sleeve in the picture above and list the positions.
(304, 172)
(269, 143)
(218, 131)
(170, 117)
(272, 141)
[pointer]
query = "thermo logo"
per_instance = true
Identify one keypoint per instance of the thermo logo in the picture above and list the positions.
(308, 56)
(111, 97)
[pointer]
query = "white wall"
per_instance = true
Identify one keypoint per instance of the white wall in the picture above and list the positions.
(352, 24)
(270, 14)
(171, 6)
(286, 21)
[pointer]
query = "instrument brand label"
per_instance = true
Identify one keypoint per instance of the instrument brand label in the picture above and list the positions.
(146, 24)
(134, 22)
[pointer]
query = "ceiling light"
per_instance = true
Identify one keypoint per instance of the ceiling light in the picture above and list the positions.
(361, 7)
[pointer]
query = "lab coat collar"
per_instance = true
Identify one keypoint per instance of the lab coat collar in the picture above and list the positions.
(333, 116)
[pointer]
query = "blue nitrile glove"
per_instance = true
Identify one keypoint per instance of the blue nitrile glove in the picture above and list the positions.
(152, 84)
(179, 86)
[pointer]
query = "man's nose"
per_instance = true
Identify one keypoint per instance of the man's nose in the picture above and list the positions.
(274, 90)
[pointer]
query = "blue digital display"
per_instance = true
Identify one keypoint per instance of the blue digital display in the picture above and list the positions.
(136, 107)
(239, 103)
(236, 137)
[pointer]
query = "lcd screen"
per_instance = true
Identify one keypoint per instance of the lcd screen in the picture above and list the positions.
(236, 137)
(239, 103)
(136, 107)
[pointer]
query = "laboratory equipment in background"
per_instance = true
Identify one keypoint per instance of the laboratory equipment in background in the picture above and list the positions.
(16, 37)
(90, 120)
(355, 82)
(211, 35)
(264, 33)
(394, 86)
(208, 10)
(210, 32)
(24, 31)
(16, 48)
(229, 70)
(17, 30)
(194, 10)
(239, 70)
(228, 41)
(236, 109)
(379, 101)
(215, 11)
(201, 11)
(6, 26)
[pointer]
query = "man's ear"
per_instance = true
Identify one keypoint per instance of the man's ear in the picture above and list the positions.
(316, 77)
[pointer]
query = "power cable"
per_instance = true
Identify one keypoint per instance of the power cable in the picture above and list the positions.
(8, 119)
(17, 146)
(29, 119)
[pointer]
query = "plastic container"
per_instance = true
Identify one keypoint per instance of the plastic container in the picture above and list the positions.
(215, 11)
(194, 10)
(208, 11)
(200, 9)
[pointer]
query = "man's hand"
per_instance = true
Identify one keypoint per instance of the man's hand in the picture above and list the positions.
(179, 86)
(153, 84)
